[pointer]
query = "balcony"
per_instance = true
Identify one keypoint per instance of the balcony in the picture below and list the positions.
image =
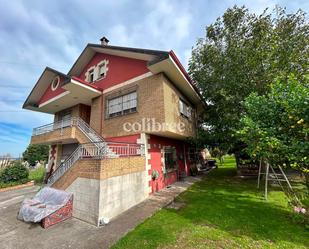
(65, 131)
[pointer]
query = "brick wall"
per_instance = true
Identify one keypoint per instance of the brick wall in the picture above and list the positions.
(150, 105)
(157, 98)
(54, 136)
(172, 112)
(96, 114)
(101, 169)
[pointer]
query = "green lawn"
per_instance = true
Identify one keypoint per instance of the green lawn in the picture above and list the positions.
(221, 211)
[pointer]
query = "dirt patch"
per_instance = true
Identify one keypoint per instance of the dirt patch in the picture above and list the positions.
(176, 205)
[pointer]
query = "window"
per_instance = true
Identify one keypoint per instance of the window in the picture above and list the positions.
(102, 70)
(98, 71)
(55, 83)
(170, 159)
(122, 105)
(185, 109)
(91, 75)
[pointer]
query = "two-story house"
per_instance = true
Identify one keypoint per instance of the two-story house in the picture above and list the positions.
(121, 120)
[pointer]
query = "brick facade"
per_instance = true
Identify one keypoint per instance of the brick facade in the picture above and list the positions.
(101, 169)
(157, 98)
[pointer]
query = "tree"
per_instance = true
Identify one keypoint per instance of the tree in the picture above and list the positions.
(243, 53)
(35, 152)
(276, 126)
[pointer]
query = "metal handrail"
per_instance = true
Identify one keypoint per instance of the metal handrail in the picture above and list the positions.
(97, 149)
(64, 166)
(74, 121)
(90, 150)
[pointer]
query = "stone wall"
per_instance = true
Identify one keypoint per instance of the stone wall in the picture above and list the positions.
(86, 199)
(120, 193)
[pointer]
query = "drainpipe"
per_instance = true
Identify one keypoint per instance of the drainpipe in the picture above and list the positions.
(102, 115)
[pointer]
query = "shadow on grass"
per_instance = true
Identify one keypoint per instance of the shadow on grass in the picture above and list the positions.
(236, 206)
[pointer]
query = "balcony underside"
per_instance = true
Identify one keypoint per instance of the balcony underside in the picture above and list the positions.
(74, 93)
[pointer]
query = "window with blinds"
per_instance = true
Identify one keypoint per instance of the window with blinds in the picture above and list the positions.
(122, 105)
(185, 109)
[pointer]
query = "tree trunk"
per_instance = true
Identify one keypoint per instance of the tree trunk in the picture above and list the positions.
(307, 179)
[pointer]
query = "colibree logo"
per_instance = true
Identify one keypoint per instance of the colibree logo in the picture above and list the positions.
(151, 125)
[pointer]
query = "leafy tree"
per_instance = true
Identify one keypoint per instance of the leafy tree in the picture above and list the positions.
(276, 126)
(243, 53)
(35, 152)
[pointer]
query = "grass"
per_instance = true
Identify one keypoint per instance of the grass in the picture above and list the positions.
(37, 175)
(221, 211)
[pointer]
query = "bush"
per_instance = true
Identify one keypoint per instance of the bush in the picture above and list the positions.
(16, 172)
(37, 175)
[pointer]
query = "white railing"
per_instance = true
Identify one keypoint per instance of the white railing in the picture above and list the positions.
(92, 151)
(64, 166)
(126, 149)
(97, 149)
(75, 121)
(52, 127)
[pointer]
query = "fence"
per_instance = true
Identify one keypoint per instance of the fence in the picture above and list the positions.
(6, 161)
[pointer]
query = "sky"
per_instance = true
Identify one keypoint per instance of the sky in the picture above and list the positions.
(39, 33)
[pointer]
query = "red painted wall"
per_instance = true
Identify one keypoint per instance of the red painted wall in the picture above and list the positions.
(124, 139)
(120, 69)
(49, 93)
(156, 144)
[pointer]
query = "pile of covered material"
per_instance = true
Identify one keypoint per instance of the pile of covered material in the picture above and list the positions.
(45, 203)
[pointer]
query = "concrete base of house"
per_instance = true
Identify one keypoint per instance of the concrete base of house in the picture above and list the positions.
(97, 199)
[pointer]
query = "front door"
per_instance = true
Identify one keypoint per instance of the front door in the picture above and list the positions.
(84, 113)
(65, 119)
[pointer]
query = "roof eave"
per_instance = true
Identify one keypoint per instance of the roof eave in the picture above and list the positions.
(158, 53)
(26, 103)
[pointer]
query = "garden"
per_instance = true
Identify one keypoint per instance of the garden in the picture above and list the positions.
(224, 211)
(252, 71)
(30, 168)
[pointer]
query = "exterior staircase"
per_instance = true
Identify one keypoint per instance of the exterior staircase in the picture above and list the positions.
(92, 145)
(97, 148)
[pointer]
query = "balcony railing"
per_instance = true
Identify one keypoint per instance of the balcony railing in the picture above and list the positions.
(115, 149)
(93, 151)
(53, 126)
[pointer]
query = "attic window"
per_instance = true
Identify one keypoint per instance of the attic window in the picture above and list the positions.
(102, 69)
(97, 72)
(55, 83)
(91, 75)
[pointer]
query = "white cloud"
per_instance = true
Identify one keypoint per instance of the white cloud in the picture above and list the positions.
(35, 34)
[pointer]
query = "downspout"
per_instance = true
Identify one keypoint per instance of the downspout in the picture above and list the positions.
(102, 115)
